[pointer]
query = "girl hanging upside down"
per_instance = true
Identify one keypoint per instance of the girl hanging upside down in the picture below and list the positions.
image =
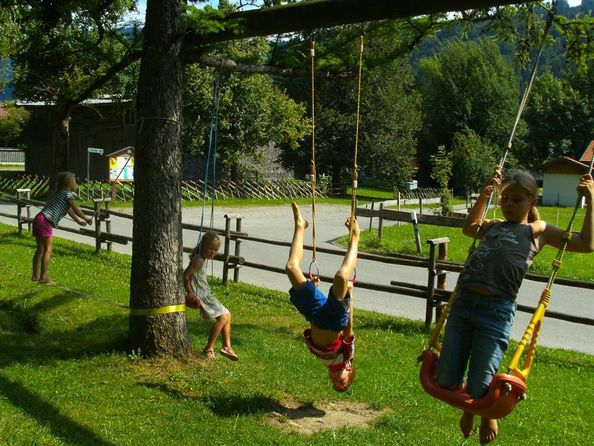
(330, 337)
(478, 327)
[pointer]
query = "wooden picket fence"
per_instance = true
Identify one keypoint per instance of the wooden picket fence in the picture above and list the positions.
(191, 190)
(416, 194)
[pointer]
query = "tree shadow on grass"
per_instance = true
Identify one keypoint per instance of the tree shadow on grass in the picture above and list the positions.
(102, 335)
(222, 405)
(48, 415)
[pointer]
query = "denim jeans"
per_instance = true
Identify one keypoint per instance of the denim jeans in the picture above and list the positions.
(478, 328)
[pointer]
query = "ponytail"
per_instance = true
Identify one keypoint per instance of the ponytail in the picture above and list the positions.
(533, 215)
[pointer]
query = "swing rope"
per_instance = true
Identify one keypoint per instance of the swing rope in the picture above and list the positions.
(212, 150)
(313, 172)
(357, 120)
(433, 341)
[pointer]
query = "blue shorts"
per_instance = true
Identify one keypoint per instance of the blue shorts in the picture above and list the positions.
(327, 313)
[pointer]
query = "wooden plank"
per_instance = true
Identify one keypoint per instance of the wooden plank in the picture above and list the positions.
(427, 219)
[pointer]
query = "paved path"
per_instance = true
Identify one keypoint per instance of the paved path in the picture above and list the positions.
(276, 223)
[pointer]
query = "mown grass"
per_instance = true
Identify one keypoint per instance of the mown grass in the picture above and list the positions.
(400, 239)
(67, 377)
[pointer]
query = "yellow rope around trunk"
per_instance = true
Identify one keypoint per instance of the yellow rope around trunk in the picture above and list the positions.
(156, 311)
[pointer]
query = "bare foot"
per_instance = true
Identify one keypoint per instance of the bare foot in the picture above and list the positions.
(299, 221)
(467, 424)
(47, 281)
(488, 431)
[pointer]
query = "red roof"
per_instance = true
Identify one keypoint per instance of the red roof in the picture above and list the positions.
(588, 154)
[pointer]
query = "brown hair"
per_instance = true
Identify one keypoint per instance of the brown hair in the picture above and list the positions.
(528, 184)
(349, 383)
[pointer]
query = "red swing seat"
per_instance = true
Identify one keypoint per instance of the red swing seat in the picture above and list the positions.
(504, 392)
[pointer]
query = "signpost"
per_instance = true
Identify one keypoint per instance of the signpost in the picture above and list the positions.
(90, 150)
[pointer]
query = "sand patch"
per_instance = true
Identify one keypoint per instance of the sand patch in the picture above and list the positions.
(310, 418)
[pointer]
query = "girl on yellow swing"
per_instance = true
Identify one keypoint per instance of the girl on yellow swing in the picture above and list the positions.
(479, 324)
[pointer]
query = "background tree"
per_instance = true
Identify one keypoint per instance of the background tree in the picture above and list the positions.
(389, 114)
(467, 85)
(253, 112)
(66, 53)
(473, 161)
(391, 122)
(560, 120)
(441, 172)
(11, 123)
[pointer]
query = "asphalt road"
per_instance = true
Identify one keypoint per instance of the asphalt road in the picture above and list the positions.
(276, 223)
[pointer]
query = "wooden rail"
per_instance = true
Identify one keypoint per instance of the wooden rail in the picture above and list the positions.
(434, 293)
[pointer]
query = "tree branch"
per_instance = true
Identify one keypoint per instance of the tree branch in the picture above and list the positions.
(126, 61)
(231, 65)
(323, 14)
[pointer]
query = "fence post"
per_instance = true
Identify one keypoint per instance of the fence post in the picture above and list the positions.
(442, 256)
(430, 285)
(27, 193)
(97, 206)
(420, 204)
(398, 197)
(415, 223)
(19, 208)
(237, 250)
(107, 202)
(226, 249)
(371, 218)
(380, 224)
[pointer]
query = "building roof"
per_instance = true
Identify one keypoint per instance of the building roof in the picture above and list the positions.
(588, 153)
(125, 150)
(97, 101)
(563, 165)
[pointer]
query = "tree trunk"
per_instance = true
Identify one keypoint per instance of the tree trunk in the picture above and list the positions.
(61, 142)
(156, 277)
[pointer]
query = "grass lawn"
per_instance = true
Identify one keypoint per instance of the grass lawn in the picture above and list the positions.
(67, 378)
(400, 239)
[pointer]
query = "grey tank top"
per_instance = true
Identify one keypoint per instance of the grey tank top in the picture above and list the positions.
(501, 260)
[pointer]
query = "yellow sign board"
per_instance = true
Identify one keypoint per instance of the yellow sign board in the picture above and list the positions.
(121, 168)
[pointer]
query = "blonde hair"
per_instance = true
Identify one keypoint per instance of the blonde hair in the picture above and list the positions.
(64, 179)
(527, 182)
(209, 237)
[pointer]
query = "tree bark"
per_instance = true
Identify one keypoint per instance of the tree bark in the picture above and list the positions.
(61, 141)
(157, 250)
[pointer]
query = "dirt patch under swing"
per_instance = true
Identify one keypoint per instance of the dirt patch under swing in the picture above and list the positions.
(310, 418)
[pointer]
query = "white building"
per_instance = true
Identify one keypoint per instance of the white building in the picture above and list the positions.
(561, 176)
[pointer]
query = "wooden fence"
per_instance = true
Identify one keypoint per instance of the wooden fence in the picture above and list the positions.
(436, 264)
(191, 190)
